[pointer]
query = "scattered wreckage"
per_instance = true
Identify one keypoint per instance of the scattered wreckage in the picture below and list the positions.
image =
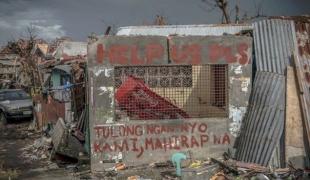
(89, 112)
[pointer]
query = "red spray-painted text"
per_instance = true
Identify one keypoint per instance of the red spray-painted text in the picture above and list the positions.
(141, 138)
(153, 53)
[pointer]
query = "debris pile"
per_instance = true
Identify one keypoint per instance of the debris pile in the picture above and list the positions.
(54, 75)
(213, 169)
(39, 150)
(232, 169)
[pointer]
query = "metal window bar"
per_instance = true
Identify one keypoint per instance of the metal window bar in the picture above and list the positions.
(170, 92)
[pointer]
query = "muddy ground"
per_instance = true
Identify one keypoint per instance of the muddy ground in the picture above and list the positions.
(18, 163)
(21, 159)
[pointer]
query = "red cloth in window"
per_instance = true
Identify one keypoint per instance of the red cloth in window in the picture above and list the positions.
(140, 102)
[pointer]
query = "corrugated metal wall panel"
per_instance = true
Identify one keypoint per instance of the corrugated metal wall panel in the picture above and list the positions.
(264, 122)
(302, 32)
(193, 30)
(274, 44)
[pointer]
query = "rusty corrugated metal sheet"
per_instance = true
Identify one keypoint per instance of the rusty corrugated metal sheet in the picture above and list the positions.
(303, 34)
(194, 30)
(274, 44)
(47, 110)
(303, 43)
(264, 122)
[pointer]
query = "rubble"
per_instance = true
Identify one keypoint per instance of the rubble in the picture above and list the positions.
(214, 169)
(64, 142)
(40, 149)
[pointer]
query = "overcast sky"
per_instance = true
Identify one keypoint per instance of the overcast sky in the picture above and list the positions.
(78, 18)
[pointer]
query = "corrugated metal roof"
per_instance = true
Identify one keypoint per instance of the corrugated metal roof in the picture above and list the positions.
(194, 30)
(264, 121)
(274, 44)
(65, 68)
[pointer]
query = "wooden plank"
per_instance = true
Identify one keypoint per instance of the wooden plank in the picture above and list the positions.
(294, 144)
(304, 110)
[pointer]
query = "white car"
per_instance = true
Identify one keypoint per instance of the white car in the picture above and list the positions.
(14, 104)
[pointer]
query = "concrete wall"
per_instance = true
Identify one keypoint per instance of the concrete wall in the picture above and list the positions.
(138, 142)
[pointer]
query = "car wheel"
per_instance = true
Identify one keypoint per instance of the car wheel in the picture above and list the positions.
(3, 119)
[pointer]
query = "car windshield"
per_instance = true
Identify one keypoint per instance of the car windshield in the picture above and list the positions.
(16, 95)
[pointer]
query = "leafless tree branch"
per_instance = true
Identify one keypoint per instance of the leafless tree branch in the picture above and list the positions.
(222, 5)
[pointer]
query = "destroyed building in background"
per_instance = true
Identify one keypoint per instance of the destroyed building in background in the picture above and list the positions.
(59, 97)
(62, 99)
(9, 68)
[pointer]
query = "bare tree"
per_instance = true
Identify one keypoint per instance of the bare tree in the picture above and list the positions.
(31, 32)
(223, 6)
(259, 9)
(237, 14)
(160, 20)
(24, 49)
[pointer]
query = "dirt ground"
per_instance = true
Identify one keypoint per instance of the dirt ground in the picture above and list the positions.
(14, 138)
(19, 160)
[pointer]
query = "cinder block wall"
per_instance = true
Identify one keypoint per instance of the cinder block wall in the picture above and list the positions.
(144, 141)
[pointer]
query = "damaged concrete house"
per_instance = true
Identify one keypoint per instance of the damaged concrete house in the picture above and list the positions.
(152, 96)
(201, 90)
